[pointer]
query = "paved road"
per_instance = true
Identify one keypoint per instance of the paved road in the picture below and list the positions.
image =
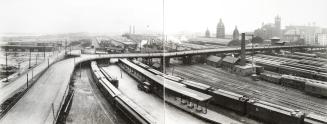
(35, 106)
(19, 83)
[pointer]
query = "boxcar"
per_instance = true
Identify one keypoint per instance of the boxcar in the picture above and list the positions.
(272, 113)
(313, 118)
(274, 78)
(293, 82)
(318, 88)
(229, 100)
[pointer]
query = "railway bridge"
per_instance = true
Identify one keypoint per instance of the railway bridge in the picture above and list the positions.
(187, 56)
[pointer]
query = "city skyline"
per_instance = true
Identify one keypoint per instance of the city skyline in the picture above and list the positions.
(100, 16)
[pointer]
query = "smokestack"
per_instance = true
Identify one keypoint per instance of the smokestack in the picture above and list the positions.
(133, 29)
(130, 29)
(243, 50)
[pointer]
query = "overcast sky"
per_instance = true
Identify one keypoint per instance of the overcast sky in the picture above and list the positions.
(115, 16)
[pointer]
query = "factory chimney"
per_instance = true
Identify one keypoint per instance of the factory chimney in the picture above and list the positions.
(243, 50)
(130, 29)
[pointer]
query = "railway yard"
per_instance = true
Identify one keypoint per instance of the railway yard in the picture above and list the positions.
(286, 94)
(292, 90)
(260, 89)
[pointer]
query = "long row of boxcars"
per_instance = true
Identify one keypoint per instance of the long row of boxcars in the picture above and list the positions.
(255, 108)
(310, 86)
(295, 69)
(124, 106)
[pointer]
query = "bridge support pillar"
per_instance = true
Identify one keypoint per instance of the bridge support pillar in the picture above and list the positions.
(187, 59)
(277, 50)
(167, 61)
(164, 62)
(147, 61)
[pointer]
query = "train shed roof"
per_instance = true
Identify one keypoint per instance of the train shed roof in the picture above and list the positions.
(230, 59)
(213, 58)
(171, 85)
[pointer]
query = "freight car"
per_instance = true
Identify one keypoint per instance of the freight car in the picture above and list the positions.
(317, 88)
(293, 82)
(229, 100)
(272, 113)
(313, 118)
(271, 77)
(321, 76)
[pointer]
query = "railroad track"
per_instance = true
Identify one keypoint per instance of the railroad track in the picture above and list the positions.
(283, 97)
(273, 94)
(297, 93)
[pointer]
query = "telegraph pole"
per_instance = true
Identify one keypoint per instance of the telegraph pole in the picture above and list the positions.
(36, 58)
(29, 62)
(7, 67)
(44, 52)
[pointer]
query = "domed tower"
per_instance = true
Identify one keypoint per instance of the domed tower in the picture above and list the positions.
(220, 30)
(236, 34)
(207, 34)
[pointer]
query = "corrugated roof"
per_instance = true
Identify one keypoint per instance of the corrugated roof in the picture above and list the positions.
(214, 58)
(230, 59)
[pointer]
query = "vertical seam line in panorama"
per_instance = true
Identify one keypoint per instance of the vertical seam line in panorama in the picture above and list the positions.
(163, 58)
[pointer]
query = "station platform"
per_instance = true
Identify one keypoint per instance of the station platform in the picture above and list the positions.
(155, 106)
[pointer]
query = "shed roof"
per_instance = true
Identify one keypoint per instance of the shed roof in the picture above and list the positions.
(214, 58)
(156, 65)
(230, 59)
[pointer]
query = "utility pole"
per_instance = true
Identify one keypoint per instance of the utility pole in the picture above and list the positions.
(36, 58)
(65, 47)
(121, 74)
(172, 71)
(6, 66)
(29, 62)
(80, 68)
(27, 80)
(44, 52)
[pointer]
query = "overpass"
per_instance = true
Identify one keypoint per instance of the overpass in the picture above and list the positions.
(26, 48)
(43, 101)
(211, 51)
